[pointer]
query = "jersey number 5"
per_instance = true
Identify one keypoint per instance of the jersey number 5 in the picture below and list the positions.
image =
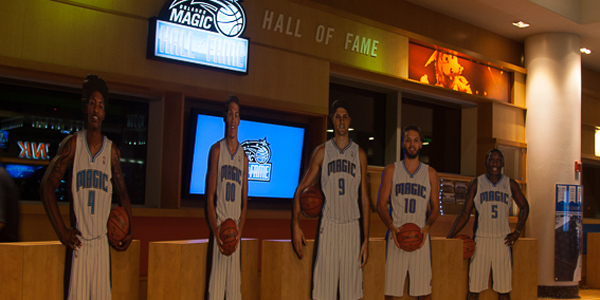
(494, 211)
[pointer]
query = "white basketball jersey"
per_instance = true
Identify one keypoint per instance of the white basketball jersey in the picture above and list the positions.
(493, 203)
(91, 187)
(410, 195)
(340, 180)
(230, 176)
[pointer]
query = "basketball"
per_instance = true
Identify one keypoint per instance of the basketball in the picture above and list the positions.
(230, 20)
(118, 225)
(228, 233)
(468, 245)
(311, 201)
(409, 237)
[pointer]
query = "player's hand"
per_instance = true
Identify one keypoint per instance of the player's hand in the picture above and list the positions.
(298, 241)
(69, 238)
(364, 253)
(424, 231)
(124, 244)
(511, 238)
(394, 234)
(218, 240)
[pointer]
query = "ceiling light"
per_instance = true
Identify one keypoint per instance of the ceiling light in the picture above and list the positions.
(585, 50)
(521, 24)
(371, 138)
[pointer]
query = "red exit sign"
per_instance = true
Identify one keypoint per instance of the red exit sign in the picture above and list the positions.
(33, 150)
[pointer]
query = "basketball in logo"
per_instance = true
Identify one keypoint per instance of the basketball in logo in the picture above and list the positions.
(263, 155)
(230, 20)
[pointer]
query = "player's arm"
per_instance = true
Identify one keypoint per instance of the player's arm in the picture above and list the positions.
(434, 199)
(383, 200)
(523, 205)
(465, 213)
(211, 192)
(366, 202)
(244, 202)
(54, 174)
(118, 182)
(310, 178)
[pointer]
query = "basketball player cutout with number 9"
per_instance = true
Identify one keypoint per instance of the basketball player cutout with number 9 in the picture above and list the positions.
(227, 200)
(95, 163)
(341, 166)
(409, 192)
(491, 194)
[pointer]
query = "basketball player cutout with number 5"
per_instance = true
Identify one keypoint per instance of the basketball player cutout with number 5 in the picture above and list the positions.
(491, 194)
(341, 166)
(227, 198)
(95, 163)
(409, 193)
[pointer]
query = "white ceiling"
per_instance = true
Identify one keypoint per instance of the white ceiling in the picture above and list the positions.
(581, 17)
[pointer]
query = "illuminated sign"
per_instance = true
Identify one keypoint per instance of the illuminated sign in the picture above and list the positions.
(451, 70)
(201, 32)
(33, 150)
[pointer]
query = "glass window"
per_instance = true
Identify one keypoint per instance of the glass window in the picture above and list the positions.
(367, 109)
(441, 129)
(34, 119)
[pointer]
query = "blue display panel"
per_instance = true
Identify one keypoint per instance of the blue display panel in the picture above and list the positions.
(274, 153)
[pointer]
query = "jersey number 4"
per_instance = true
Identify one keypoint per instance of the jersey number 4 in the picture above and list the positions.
(92, 200)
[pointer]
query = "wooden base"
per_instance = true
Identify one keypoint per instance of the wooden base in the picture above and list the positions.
(593, 260)
(35, 270)
(177, 269)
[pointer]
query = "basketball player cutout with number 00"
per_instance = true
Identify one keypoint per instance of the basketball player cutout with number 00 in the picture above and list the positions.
(95, 163)
(341, 167)
(227, 199)
(408, 194)
(492, 194)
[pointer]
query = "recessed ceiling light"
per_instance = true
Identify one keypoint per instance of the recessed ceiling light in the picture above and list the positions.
(585, 50)
(521, 24)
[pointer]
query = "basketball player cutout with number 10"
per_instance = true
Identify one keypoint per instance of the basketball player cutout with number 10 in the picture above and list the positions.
(95, 163)
(409, 193)
(227, 198)
(341, 166)
(491, 194)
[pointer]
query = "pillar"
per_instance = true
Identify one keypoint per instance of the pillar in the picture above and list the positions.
(553, 133)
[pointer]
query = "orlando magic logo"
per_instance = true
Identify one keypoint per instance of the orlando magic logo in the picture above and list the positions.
(259, 157)
(226, 17)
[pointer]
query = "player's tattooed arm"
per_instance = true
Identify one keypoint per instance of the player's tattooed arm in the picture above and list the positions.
(54, 174)
(465, 213)
(118, 181)
(523, 205)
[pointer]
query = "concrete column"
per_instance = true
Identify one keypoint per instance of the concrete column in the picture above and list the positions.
(553, 132)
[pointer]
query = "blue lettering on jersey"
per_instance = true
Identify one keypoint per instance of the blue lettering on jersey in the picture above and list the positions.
(493, 196)
(341, 165)
(408, 188)
(92, 179)
(231, 173)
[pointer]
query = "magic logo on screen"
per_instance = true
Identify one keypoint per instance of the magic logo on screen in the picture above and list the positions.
(201, 32)
(259, 159)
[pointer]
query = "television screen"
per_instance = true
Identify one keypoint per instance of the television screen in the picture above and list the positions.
(3, 139)
(18, 171)
(274, 155)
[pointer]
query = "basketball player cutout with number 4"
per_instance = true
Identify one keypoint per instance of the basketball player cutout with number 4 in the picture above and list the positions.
(491, 194)
(227, 198)
(341, 166)
(95, 163)
(409, 193)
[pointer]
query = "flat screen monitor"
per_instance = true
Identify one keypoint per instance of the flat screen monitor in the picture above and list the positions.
(21, 171)
(274, 151)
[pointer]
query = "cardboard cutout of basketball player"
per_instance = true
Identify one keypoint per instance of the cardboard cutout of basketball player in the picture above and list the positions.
(491, 195)
(227, 198)
(95, 163)
(341, 166)
(409, 193)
